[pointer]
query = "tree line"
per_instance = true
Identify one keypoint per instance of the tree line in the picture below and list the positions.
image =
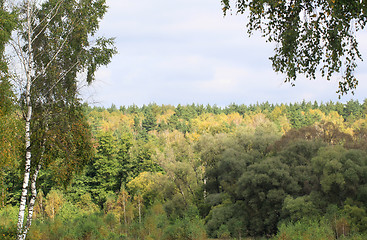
(194, 171)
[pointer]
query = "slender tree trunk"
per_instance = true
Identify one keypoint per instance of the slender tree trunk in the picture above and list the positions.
(139, 206)
(3, 196)
(32, 201)
(205, 193)
(28, 117)
(124, 206)
(27, 167)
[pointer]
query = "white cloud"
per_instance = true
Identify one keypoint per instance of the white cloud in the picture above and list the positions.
(185, 51)
(225, 79)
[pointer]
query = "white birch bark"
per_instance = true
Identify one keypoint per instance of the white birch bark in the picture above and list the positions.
(32, 201)
(28, 117)
(26, 59)
(31, 28)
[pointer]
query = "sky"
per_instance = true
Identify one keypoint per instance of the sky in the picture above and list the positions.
(185, 51)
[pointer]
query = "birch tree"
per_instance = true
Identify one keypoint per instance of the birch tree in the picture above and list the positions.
(55, 44)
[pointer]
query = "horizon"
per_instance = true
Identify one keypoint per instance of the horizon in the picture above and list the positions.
(229, 105)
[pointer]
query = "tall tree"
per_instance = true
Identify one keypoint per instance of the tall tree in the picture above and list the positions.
(310, 35)
(8, 121)
(54, 43)
(7, 24)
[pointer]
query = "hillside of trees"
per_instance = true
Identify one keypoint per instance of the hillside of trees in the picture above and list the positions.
(284, 171)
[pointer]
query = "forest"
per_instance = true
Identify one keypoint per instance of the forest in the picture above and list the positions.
(261, 171)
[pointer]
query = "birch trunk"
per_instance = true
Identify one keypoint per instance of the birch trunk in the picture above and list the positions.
(28, 118)
(27, 166)
(32, 201)
(28, 48)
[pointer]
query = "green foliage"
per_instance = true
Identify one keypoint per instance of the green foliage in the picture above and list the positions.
(7, 103)
(81, 227)
(305, 229)
(66, 145)
(149, 123)
(300, 207)
(7, 24)
(105, 167)
(11, 141)
(356, 214)
(310, 35)
(190, 227)
(341, 172)
(233, 175)
(8, 216)
(54, 202)
(58, 124)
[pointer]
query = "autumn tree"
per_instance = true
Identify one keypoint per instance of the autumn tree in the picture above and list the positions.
(54, 43)
(310, 36)
(10, 137)
(10, 140)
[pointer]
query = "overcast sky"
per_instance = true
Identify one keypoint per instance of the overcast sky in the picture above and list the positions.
(185, 51)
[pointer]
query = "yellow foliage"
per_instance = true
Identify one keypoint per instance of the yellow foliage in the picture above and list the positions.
(143, 183)
(39, 206)
(255, 120)
(210, 123)
(170, 137)
(193, 137)
(122, 207)
(359, 124)
(110, 121)
(164, 117)
(338, 121)
(54, 202)
(277, 112)
(335, 118)
(284, 124)
(234, 118)
(86, 204)
(316, 113)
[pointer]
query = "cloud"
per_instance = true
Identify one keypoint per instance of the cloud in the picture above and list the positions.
(185, 51)
(225, 79)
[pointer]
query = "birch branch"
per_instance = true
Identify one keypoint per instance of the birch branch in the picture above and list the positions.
(48, 19)
(54, 56)
(62, 76)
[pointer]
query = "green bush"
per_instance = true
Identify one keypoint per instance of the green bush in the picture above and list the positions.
(8, 224)
(305, 229)
(86, 226)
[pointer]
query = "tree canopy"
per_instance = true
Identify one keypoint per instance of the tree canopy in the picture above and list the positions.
(311, 36)
(194, 171)
(56, 45)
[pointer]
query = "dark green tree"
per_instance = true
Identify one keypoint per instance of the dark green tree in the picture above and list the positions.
(341, 173)
(263, 187)
(352, 110)
(149, 122)
(105, 167)
(310, 35)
